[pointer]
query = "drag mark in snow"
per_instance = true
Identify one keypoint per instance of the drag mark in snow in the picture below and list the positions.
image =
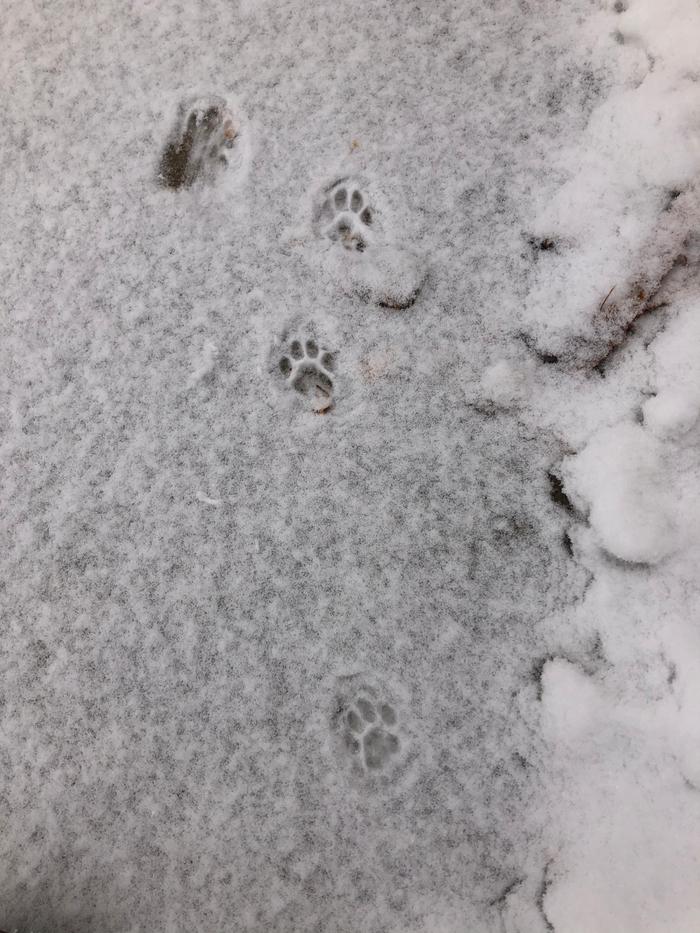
(198, 147)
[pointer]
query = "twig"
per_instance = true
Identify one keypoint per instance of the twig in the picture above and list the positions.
(605, 300)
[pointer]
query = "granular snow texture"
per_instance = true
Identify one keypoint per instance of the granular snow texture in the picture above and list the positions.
(348, 532)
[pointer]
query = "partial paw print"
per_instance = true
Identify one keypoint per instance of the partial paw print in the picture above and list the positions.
(345, 215)
(369, 730)
(308, 369)
(201, 144)
(375, 264)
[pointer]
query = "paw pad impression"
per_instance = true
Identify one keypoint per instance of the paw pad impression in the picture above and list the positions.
(370, 732)
(346, 216)
(307, 369)
(374, 265)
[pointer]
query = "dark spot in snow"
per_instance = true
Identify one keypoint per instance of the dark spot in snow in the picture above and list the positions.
(672, 196)
(557, 494)
(568, 546)
(542, 355)
(501, 898)
(541, 894)
(537, 671)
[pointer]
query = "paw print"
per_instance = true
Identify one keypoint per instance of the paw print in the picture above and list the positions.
(369, 733)
(200, 145)
(345, 216)
(378, 264)
(307, 369)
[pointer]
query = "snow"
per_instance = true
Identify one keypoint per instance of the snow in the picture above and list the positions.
(632, 813)
(509, 383)
(636, 160)
(350, 511)
(619, 478)
(674, 408)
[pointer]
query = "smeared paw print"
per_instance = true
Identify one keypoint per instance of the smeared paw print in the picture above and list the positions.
(379, 263)
(307, 368)
(370, 732)
(345, 215)
(200, 145)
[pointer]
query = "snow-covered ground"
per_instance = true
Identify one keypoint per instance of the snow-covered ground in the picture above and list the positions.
(350, 489)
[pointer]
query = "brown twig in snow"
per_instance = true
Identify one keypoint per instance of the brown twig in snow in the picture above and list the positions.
(605, 300)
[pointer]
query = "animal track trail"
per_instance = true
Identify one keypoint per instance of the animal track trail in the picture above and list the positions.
(308, 368)
(200, 145)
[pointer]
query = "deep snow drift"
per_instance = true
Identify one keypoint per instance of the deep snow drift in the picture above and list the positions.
(350, 367)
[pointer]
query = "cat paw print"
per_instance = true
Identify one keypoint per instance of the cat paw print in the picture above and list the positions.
(201, 144)
(376, 265)
(370, 733)
(345, 215)
(308, 369)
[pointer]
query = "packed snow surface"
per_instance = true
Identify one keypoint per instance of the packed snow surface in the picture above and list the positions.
(350, 466)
